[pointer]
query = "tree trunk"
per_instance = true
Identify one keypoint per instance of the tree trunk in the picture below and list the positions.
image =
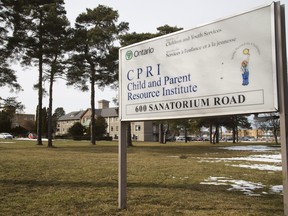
(210, 133)
(216, 135)
(39, 117)
(236, 131)
(161, 133)
(185, 134)
(234, 134)
(93, 139)
(40, 90)
(50, 144)
(165, 134)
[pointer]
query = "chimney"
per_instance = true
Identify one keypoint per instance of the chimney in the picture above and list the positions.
(103, 104)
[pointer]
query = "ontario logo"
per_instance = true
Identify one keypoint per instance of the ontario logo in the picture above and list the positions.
(129, 55)
(137, 53)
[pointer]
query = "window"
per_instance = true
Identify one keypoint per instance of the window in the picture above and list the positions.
(111, 128)
(116, 128)
(137, 127)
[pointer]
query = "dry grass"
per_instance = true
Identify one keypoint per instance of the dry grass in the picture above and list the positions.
(76, 178)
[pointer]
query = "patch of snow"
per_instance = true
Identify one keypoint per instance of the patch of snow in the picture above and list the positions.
(216, 178)
(259, 158)
(214, 183)
(247, 187)
(258, 166)
(241, 185)
(43, 139)
(181, 178)
(276, 189)
(264, 158)
(254, 148)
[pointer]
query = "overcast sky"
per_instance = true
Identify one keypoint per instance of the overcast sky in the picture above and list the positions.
(142, 16)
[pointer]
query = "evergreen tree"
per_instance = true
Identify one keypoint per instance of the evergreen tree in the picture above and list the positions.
(8, 108)
(57, 26)
(9, 16)
(100, 126)
(77, 130)
(33, 36)
(5, 121)
(44, 121)
(94, 34)
(234, 122)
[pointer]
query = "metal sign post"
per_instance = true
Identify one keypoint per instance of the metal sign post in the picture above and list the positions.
(283, 96)
(122, 184)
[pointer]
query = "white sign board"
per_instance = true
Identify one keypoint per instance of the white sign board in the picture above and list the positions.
(222, 68)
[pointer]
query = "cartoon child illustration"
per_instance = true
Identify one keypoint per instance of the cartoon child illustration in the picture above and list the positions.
(245, 68)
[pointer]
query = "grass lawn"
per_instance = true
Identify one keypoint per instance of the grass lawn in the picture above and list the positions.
(76, 178)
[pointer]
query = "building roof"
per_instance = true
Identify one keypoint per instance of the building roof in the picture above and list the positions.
(72, 116)
(108, 112)
(77, 115)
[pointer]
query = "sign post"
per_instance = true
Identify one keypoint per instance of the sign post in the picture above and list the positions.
(283, 96)
(232, 66)
(122, 184)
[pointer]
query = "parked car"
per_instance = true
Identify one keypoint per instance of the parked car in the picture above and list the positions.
(249, 138)
(170, 139)
(180, 139)
(205, 139)
(6, 136)
(32, 136)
